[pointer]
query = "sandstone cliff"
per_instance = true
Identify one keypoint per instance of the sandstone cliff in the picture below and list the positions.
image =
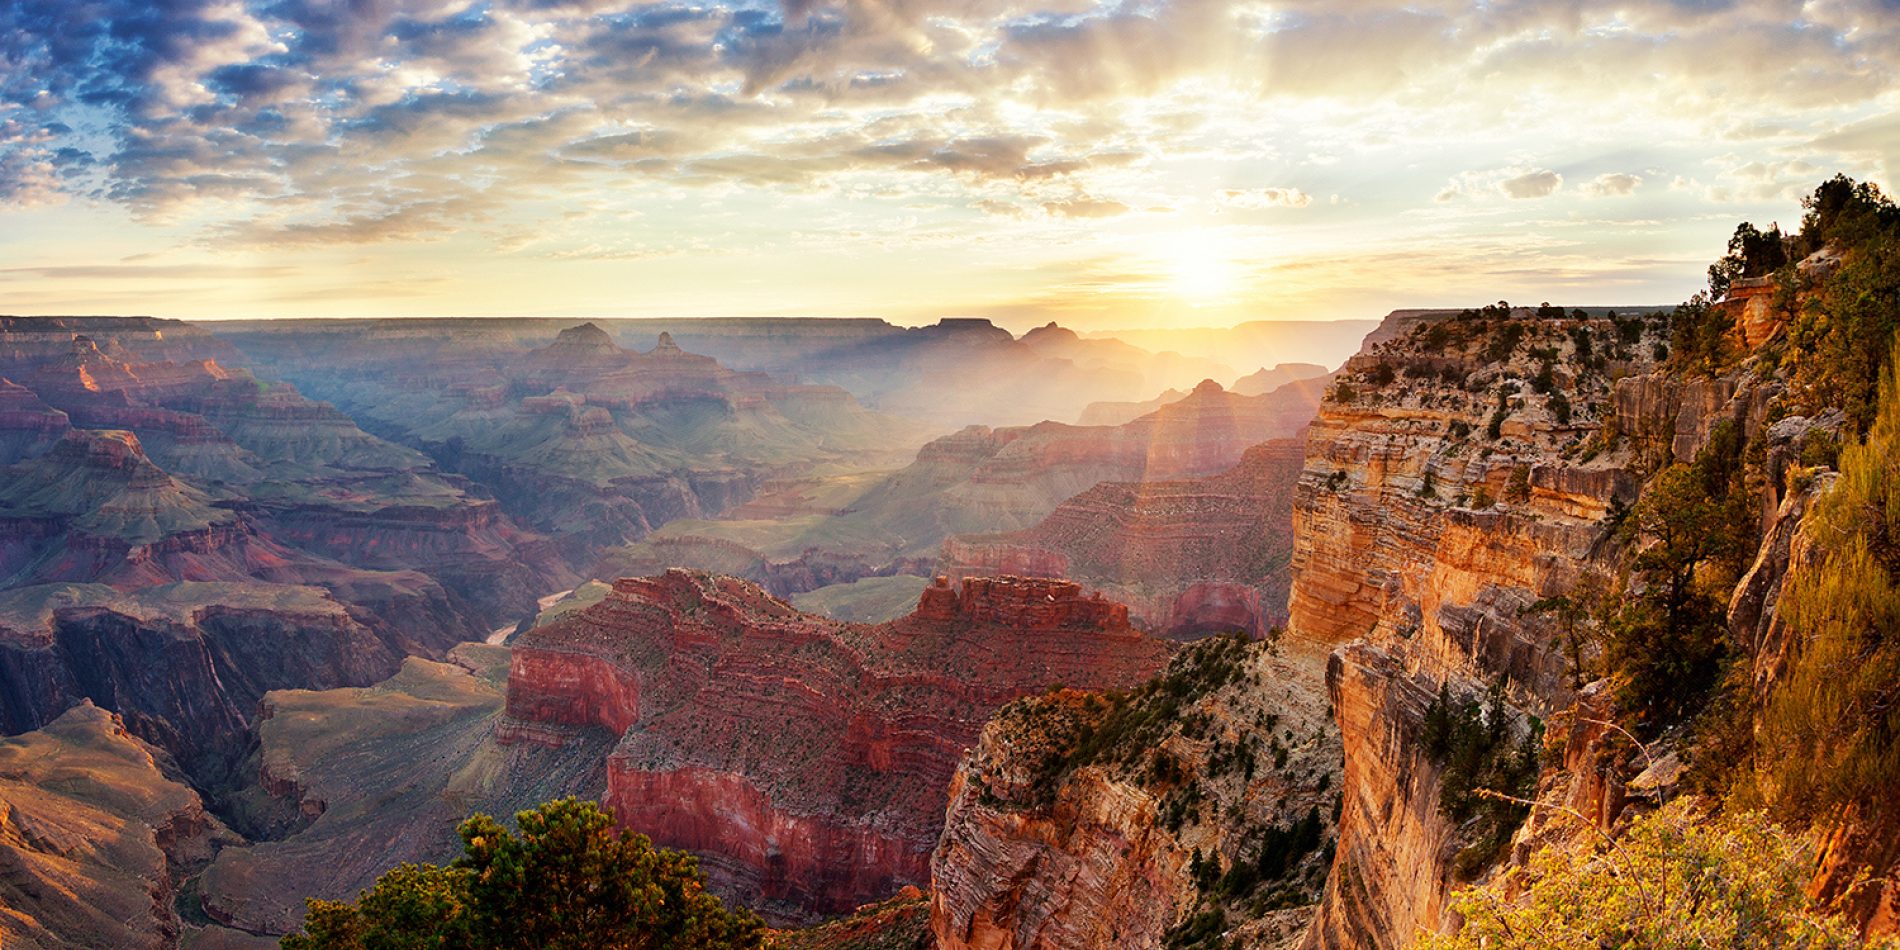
(805, 760)
(96, 838)
(1466, 473)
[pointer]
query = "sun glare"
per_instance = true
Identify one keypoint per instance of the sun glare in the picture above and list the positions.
(1200, 267)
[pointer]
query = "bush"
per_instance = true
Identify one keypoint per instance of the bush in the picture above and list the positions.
(1668, 641)
(1671, 883)
(1559, 408)
(567, 882)
(1830, 737)
(1474, 746)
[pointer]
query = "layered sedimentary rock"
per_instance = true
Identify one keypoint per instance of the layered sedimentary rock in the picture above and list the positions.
(183, 664)
(1452, 481)
(1197, 805)
(805, 760)
(95, 837)
(1189, 557)
(178, 537)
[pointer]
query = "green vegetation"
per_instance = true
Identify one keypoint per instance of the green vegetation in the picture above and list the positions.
(1281, 851)
(1675, 881)
(1474, 745)
(1751, 253)
(1136, 720)
(1700, 338)
(1668, 640)
(1830, 738)
(568, 882)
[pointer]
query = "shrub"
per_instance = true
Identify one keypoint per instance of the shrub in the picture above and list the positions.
(1830, 737)
(567, 882)
(1559, 408)
(1474, 745)
(1668, 641)
(1671, 883)
(1517, 489)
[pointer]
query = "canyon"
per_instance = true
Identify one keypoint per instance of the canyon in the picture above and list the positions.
(1185, 678)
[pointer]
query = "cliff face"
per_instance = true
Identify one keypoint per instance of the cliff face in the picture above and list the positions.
(711, 682)
(1196, 803)
(1189, 557)
(1465, 469)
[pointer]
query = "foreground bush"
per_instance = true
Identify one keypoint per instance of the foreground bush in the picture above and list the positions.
(568, 882)
(1733, 881)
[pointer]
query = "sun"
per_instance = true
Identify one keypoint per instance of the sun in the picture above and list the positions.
(1200, 267)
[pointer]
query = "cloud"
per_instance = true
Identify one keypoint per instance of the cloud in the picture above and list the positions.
(1533, 184)
(1518, 184)
(1612, 184)
(310, 121)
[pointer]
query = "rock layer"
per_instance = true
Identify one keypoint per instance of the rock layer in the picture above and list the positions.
(1451, 482)
(805, 760)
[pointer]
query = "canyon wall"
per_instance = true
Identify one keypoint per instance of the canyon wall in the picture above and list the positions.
(1196, 805)
(1464, 470)
(709, 681)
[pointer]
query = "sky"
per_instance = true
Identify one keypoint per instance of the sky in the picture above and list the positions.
(1101, 163)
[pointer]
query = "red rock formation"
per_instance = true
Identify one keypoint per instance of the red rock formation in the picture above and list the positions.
(806, 760)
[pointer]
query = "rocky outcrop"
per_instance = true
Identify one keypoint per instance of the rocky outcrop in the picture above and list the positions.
(1192, 806)
(712, 683)
(1189, 557)
(1444, 493)
(95, 837)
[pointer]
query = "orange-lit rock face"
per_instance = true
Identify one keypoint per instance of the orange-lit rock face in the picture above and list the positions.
(1427, 520)
(807, 761)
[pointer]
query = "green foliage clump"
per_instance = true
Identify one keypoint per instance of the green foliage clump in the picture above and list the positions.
(1838, 338)
(1751, 253)
(1559, 408)
(1669, 639)
(1673, 882)
(1699, 338)
(1478, 753)
(567, 882)
(1517, 488)
(1830, 737)
(1504, 342)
